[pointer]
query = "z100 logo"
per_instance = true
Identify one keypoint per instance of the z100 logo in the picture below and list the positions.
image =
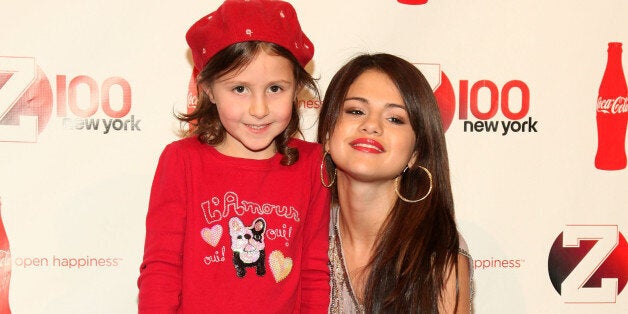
(484, 99)
(26, 102)
(589, 263)
(513, 100)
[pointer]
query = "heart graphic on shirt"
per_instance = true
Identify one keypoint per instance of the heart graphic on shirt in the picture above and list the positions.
(279, 265)
(212, 235)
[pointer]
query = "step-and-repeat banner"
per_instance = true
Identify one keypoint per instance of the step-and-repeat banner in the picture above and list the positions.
(533, 97)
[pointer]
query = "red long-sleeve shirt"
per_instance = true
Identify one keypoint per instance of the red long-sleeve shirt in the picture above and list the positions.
(231, 235)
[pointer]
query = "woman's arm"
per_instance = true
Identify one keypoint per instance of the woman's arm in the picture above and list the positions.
(461, 283)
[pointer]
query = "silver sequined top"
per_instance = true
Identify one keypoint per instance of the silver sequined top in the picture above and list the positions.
(343, 300)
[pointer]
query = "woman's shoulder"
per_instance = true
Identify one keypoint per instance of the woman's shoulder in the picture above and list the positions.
(463, 250)
(463, 247)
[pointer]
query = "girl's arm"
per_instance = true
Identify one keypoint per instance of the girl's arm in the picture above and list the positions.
(160, 273)
(315, 260)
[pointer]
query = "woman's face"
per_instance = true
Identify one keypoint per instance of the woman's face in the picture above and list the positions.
(373, 139)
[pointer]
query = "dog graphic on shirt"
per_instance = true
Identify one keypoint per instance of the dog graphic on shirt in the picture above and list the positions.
(248, 246)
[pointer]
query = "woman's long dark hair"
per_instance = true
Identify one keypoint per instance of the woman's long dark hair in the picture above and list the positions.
(418, 243)
(205, 120)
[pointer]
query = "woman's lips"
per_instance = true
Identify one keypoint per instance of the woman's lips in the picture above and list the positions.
(367, 145)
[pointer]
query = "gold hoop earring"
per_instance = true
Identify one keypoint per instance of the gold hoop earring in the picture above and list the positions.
(429, 175)
(323, 177)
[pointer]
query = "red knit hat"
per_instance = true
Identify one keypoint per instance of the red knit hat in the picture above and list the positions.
(247, 20)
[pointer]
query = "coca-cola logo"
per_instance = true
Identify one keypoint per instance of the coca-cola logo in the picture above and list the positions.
(5, 269)
(617, 105)
(192, 94)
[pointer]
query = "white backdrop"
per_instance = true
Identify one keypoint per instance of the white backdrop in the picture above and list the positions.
(74, 198)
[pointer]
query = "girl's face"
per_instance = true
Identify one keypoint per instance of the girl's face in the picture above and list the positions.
(255, 105)
(373, 139)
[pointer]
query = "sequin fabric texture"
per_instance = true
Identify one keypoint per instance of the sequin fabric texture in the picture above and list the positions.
(343, 299)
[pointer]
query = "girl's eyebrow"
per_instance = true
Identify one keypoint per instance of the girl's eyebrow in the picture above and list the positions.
(286, 82)
(242, 82)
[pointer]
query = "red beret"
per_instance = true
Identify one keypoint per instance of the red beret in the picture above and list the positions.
(247, 20)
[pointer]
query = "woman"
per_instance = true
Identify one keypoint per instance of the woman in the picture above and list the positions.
(394, 246)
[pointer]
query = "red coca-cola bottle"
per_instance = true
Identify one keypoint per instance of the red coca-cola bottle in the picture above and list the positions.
(5, 268)
(612, 113)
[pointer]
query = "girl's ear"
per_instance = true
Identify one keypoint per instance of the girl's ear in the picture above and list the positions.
(207, 90)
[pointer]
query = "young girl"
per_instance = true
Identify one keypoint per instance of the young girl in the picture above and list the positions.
(238, 219)
(395, 247)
